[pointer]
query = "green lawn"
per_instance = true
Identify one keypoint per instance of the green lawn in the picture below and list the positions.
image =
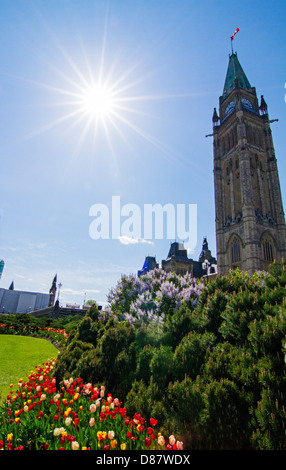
(18, 356)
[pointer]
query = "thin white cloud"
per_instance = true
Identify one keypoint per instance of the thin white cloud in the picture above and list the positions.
(79, 292)
(133, 241)
(37, 246)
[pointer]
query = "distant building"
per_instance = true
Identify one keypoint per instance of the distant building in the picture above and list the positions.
(15, 301)
(207, 261)
(178, 262)
(53, 291)
(149, 264)
(2, 264)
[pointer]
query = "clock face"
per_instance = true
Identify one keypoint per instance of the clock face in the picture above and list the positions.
(230, 108)
(246, 103)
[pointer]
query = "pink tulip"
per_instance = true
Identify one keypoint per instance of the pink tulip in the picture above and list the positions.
(75, 445)
(179, 445)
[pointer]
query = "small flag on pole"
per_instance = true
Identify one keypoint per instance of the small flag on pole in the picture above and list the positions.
(232, 37)
(235, 32)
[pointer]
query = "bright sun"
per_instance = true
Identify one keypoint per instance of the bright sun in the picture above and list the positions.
(101, 100)
(98, 102)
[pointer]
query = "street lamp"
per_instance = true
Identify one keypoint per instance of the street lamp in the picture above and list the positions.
(60, 285)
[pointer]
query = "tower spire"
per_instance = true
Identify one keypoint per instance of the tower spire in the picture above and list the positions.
(235, 77)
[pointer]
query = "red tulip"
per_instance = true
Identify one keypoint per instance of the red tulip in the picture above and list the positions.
(148, 442)
(153, 422)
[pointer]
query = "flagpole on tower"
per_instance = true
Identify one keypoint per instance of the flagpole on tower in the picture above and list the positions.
(232, 37)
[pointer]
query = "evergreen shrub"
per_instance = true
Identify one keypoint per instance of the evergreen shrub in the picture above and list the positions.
(206, 357)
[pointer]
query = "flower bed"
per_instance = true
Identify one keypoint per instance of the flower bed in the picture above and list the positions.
(57, 336)
(39, 416)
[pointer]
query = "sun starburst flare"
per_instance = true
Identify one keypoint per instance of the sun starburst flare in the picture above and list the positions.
(98, 102)
(98, 98)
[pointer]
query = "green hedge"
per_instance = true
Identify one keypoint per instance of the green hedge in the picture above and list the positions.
(213, 371)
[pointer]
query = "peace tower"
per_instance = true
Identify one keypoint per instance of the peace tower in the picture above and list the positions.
(249, 216)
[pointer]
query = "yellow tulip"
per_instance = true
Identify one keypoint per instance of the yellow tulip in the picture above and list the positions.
(113, 443)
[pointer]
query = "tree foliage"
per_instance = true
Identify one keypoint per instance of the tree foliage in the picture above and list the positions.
(213, 366)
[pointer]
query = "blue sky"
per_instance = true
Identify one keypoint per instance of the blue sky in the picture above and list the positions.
(167, 62)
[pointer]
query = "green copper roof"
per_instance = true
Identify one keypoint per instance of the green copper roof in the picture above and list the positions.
(235, 72)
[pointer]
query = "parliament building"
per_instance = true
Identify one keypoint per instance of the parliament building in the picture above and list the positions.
(249, 216)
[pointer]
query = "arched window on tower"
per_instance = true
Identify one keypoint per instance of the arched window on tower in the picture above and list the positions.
(235, 251)
(268, 248)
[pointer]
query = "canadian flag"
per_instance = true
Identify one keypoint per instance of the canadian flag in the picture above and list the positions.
(236, 31)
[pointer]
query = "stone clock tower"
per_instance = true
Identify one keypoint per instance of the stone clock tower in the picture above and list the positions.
(250, 223)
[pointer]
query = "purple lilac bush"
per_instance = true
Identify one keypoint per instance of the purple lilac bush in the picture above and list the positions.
(152, 296)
